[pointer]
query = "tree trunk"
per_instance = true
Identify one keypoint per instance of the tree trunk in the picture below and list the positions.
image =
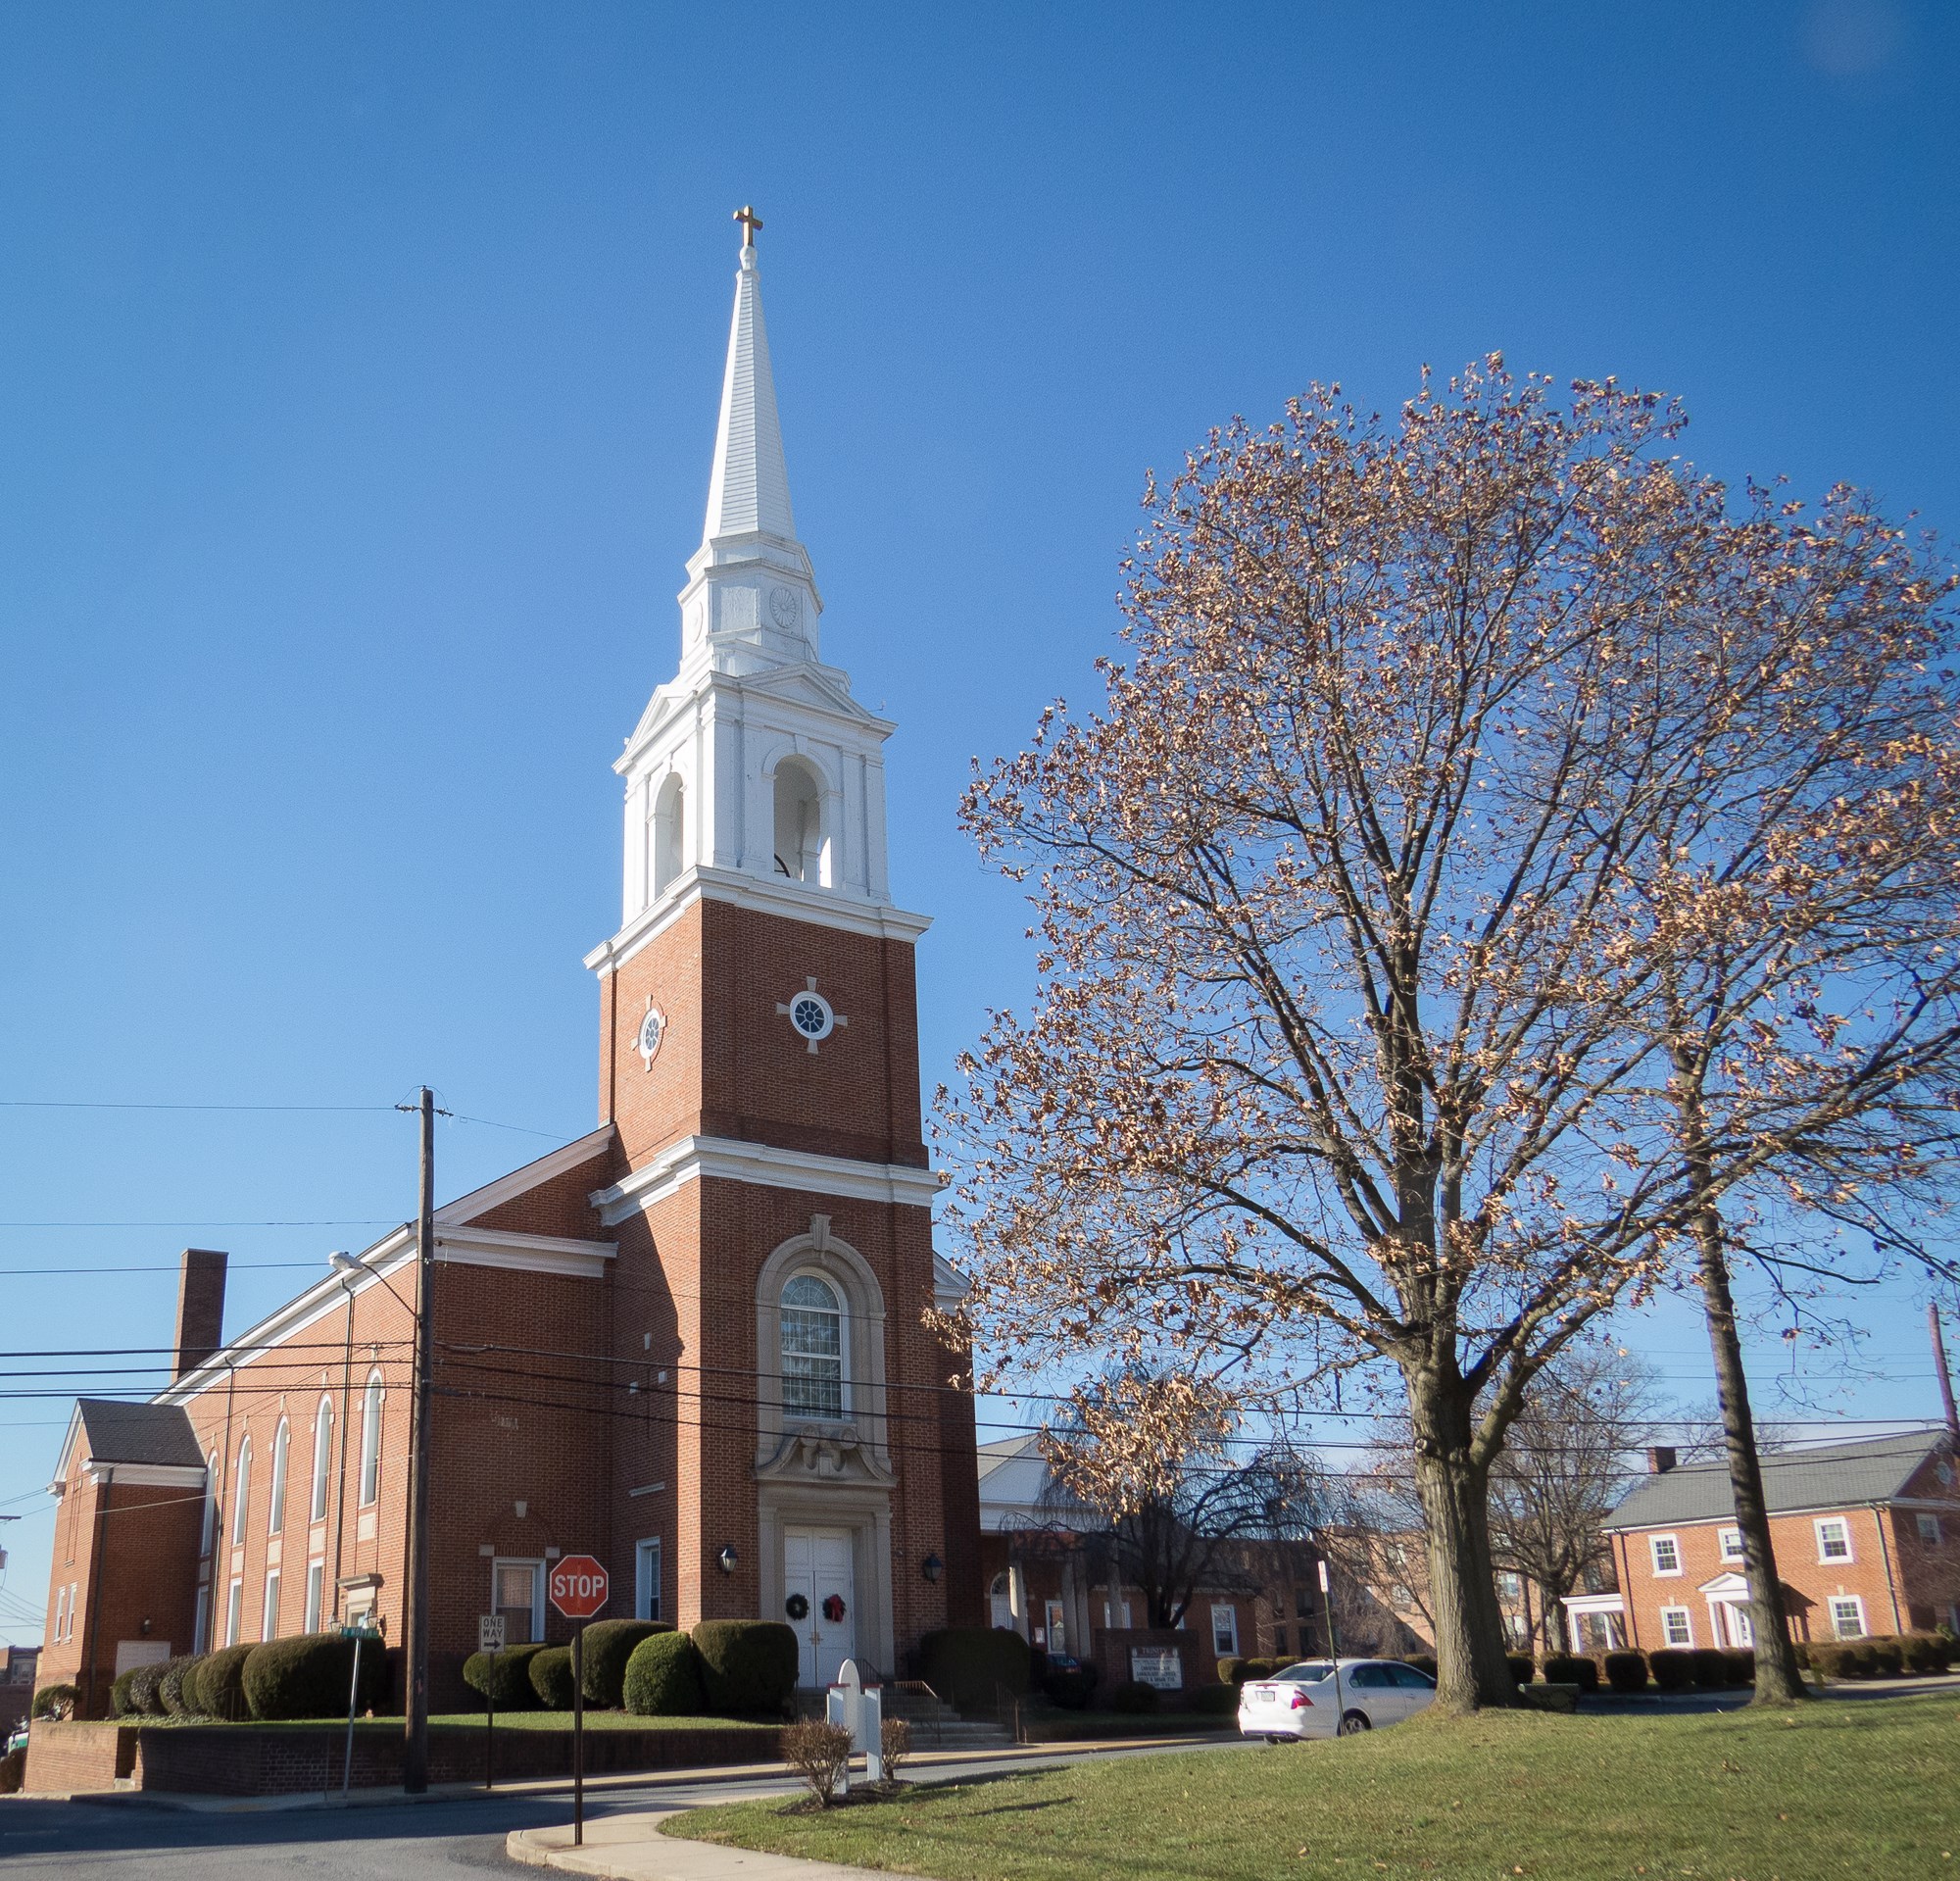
(1455, 1493)
(1778, 1680)
(1553, 1606)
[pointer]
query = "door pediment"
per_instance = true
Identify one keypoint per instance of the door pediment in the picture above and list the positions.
(825, 1453)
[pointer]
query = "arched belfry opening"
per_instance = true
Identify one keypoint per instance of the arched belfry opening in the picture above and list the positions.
(799, 833)
(669, 833)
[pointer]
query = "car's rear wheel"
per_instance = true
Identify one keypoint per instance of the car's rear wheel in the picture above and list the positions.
(1353, 1723)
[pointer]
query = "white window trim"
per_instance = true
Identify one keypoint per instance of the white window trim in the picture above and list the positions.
(234, 1610)
(1230, 1616)
(1834, 1521)
(1931, 1532)
(1831, 1606)
(316, 1595)
(200, 1621)
(1727, 1554)
(320, 1478)
(373, 1414)
(282, 1442)
(647, 1584)
(1653, 1556)
(536, 1564)
(211, 1469)
(269, 1617)
(241, 1490)
(844, 1405)
(1686, 1622)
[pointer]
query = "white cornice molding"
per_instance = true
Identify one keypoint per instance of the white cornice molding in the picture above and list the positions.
(467, 1208)
(791, 901)
(523, 1253)
(729, 1159)
(164, 1475)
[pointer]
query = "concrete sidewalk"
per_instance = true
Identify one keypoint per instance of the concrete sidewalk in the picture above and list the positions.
(632, 1847)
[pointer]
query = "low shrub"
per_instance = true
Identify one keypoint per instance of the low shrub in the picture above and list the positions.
(1672, 1668)
(1708, 1667)
(1523, 1668)
(169, 1688)
(1886, 1658)
(748, 1666)
(55, 1702)
(964, 1665)
(505, 1676)
(603, 1655)
(120, 1703)
(1232, 1670)
(1627, 1671)
(1214, 1701)
(1801, 1648)
(1134, 1698)
(13, 1771)
(146, 1690)
(219, 1681)
(549, 1672)
(1422, 1662)
(894, 1746)
(664, 1678)
(1738, 1665)
(1927, 1651)
(1071, 1690)
(1568, 1668)
(310, 1675)
(819, 1753)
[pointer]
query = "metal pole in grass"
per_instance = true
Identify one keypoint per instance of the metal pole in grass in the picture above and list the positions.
(1333, 1643)
(353, 1692)
(578, 1737)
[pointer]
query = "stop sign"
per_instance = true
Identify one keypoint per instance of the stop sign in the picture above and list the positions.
(577, 1587)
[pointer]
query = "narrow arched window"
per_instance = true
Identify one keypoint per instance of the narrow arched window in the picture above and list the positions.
(210, 1503)
(322, 1458)
(669, 833)
(241, 1490)
(812, 1343)
(370, 1440)
(281, 1443)
(799, 823)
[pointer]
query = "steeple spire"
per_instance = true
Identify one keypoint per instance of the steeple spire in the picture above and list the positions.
(749, 492)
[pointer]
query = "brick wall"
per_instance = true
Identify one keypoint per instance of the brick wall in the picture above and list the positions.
(79, 1757)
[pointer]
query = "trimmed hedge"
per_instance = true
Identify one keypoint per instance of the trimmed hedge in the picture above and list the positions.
(1071, 1690)
(608, 1645)
(215, 1684)
(121, 1704)
(145, 1689)
(1739, 1664)
(1523, 1668)
(1568, 1668)
(965, 1663)
(169, 1688)
(1422, 1662)
(1214, 1701)
(1134, 1698)
(55, 1701)
(509, 1672)
(748, 1666)
(1710, 1667)
(1672, 1668)
(549, 1672)
(1928, 1651)
(1233, 1671)
(1627, 1671)
(663, 1677)
(308, 1675)
(1884, 1654)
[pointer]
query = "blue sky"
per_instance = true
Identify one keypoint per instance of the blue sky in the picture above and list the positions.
(359, 371)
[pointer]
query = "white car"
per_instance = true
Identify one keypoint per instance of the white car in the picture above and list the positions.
(1326, 1698)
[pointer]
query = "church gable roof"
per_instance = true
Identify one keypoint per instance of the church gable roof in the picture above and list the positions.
(119, 1433)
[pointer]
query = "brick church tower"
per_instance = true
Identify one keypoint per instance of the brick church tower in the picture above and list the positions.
(758, 1060)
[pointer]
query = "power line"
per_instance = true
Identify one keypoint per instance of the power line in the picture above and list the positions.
(341, 1221)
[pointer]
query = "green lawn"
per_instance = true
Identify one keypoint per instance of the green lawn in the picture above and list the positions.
(595, 1721)
(1836, 1789)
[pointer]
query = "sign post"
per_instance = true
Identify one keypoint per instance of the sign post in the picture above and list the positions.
(490, 1640)
(357, 1634)
(577, 1587)
(1333, 1643)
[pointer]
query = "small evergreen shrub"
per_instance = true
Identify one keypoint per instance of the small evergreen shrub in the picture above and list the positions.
(169, 1688)
(1071, 1690)
(1708, 1667)
(1672, 1668)
(120, 1703)
(220, 1684)
(1214, 1701)
(1232, 1670)
(664, 1678)
(1567, 1668)
(1886, 1658)
(509, 1672)
(1422, 1662)
(1627, 1671)
(1134, 1698)
(55, 1702)
(1924, 1653)
(608, 1645)
(13, 1771)
(310, 1675)
(964, 1665)
(145, 1693)
(748, 1666)
(549, 1672)
(1523, 1668)
(1738, 1665)
(1801, 1648)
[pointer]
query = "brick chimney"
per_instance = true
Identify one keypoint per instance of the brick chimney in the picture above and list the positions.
(1661, 1458)
(200, 1306)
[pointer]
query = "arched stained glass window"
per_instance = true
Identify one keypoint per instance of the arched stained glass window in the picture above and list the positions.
(813, 1328)
(322, 1458)
(370, 1440)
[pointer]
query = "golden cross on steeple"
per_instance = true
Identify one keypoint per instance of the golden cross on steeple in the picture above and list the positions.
(751, 222)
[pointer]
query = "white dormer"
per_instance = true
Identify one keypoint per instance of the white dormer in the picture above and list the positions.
(753, 774)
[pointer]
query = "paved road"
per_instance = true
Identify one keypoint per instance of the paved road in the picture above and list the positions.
(398, 1842)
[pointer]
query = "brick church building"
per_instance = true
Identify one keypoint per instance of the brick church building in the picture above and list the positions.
(690, 1343)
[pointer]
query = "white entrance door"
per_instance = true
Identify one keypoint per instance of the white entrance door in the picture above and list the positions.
(817, 1563)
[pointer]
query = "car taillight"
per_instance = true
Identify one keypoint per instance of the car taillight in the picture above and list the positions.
(1302, 1703)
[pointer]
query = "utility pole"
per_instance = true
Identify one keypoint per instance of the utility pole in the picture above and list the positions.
(414, 1729)
(1943, 1372)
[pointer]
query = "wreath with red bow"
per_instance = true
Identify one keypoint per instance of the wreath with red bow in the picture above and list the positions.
(833, 1608)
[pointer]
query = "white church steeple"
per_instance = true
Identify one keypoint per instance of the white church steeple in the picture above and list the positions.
(753, 774)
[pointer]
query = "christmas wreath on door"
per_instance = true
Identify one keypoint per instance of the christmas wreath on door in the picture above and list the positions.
(833, 1608)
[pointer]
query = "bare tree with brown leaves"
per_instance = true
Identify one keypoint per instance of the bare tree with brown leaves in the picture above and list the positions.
(1339, 1057)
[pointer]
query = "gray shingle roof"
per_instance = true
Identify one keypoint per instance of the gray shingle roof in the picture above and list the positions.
(119, 1433)
(1875, 1469)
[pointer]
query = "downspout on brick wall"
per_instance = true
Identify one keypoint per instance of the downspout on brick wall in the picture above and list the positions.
(87, 1699)
(1886, 1556)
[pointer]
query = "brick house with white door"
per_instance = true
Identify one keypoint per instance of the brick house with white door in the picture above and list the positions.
(691, 1343)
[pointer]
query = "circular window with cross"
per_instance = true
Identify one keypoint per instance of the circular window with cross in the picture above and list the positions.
(811, 1015)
